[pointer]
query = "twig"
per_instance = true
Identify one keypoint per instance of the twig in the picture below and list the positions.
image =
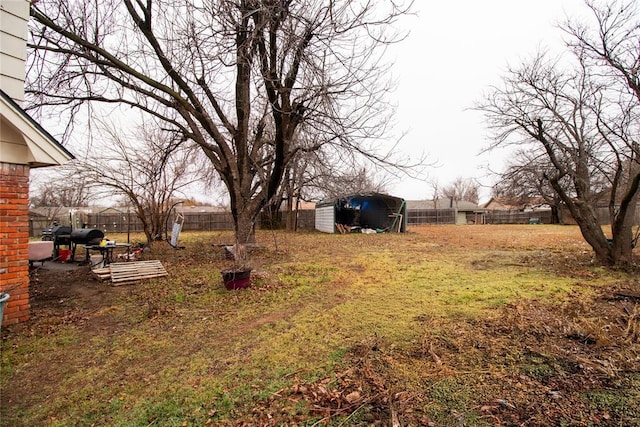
(395, 421)
(353, 412)
(627, 295)
(434, 356)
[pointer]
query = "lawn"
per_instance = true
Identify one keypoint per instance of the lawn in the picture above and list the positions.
(444, 325)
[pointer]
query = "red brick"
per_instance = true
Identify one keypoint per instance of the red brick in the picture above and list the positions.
(10, 308)
(14, 234)
(9, 322)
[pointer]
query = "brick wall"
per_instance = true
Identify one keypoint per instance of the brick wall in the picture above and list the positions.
(14, 241)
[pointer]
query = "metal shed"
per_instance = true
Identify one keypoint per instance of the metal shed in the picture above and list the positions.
(371, 212)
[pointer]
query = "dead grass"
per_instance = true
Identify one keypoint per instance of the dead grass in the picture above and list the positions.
(446, 325)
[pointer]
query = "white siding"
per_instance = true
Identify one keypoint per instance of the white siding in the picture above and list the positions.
(325, 219)
(22, 141)
(13, 148)
(13, 47)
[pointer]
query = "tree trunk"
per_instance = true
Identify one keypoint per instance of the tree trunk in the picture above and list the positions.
(622, 246)
(592, 233)
(156, 227)
(590, 228)
(295, 222)
(622, 229)
(146, 228)
(149, 235)
(290, 214)
(271, 217)
(244, 227)
(555, 215)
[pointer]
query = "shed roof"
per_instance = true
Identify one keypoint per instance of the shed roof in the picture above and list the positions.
(350, 196)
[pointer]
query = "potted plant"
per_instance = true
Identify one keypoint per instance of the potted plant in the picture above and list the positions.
(239, 275)
(4, 296)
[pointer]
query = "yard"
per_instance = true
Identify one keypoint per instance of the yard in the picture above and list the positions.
(443, 326)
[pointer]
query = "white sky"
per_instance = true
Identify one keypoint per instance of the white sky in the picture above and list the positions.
(455, 52)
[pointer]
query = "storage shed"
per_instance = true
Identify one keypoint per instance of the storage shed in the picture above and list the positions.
(371, 212)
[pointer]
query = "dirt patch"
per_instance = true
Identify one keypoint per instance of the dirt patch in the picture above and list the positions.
(72, 296)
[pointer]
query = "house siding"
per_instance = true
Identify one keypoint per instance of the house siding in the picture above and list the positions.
(14, 241)
(14, 15)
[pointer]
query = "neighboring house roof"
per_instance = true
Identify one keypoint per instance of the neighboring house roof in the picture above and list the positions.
(42, 149)
(303, 206)
(37, 213)
(108, 211)
(59, 211)
(460, 205)
(497, 203)
(515, 204)
(201, 209)
(45, 212)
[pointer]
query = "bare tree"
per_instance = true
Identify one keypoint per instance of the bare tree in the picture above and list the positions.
(328, 184)
(56, 189)
(240, 79)
(584, 119)
(149, 170)
(319, 175)
(436, 191)
(65, 189)
(524, 179)
(462, 189)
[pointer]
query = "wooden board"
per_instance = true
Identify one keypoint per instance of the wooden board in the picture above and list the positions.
(121, 273)
(102, 273)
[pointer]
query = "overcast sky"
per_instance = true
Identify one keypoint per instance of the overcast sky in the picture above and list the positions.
(455, 52)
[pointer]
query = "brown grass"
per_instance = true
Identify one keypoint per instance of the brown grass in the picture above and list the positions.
(445, 325)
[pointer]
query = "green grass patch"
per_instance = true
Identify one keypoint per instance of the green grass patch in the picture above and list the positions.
(620, 404)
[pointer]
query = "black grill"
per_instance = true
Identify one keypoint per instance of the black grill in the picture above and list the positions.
(60, 235)
(56, 232)
(85, 236)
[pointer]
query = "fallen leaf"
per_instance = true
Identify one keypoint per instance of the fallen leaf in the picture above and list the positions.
(352, 397)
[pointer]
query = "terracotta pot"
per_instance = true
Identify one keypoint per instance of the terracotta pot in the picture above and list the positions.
(236, 278)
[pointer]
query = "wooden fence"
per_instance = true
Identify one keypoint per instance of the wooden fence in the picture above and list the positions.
(210, 221)
(517, 217)
(602, 213)
(431, 216)
(193, 221)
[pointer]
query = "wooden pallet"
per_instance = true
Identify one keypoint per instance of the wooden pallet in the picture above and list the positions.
(122, 273)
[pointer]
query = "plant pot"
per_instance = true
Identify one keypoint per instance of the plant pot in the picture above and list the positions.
(236, 278)
(3, 299)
